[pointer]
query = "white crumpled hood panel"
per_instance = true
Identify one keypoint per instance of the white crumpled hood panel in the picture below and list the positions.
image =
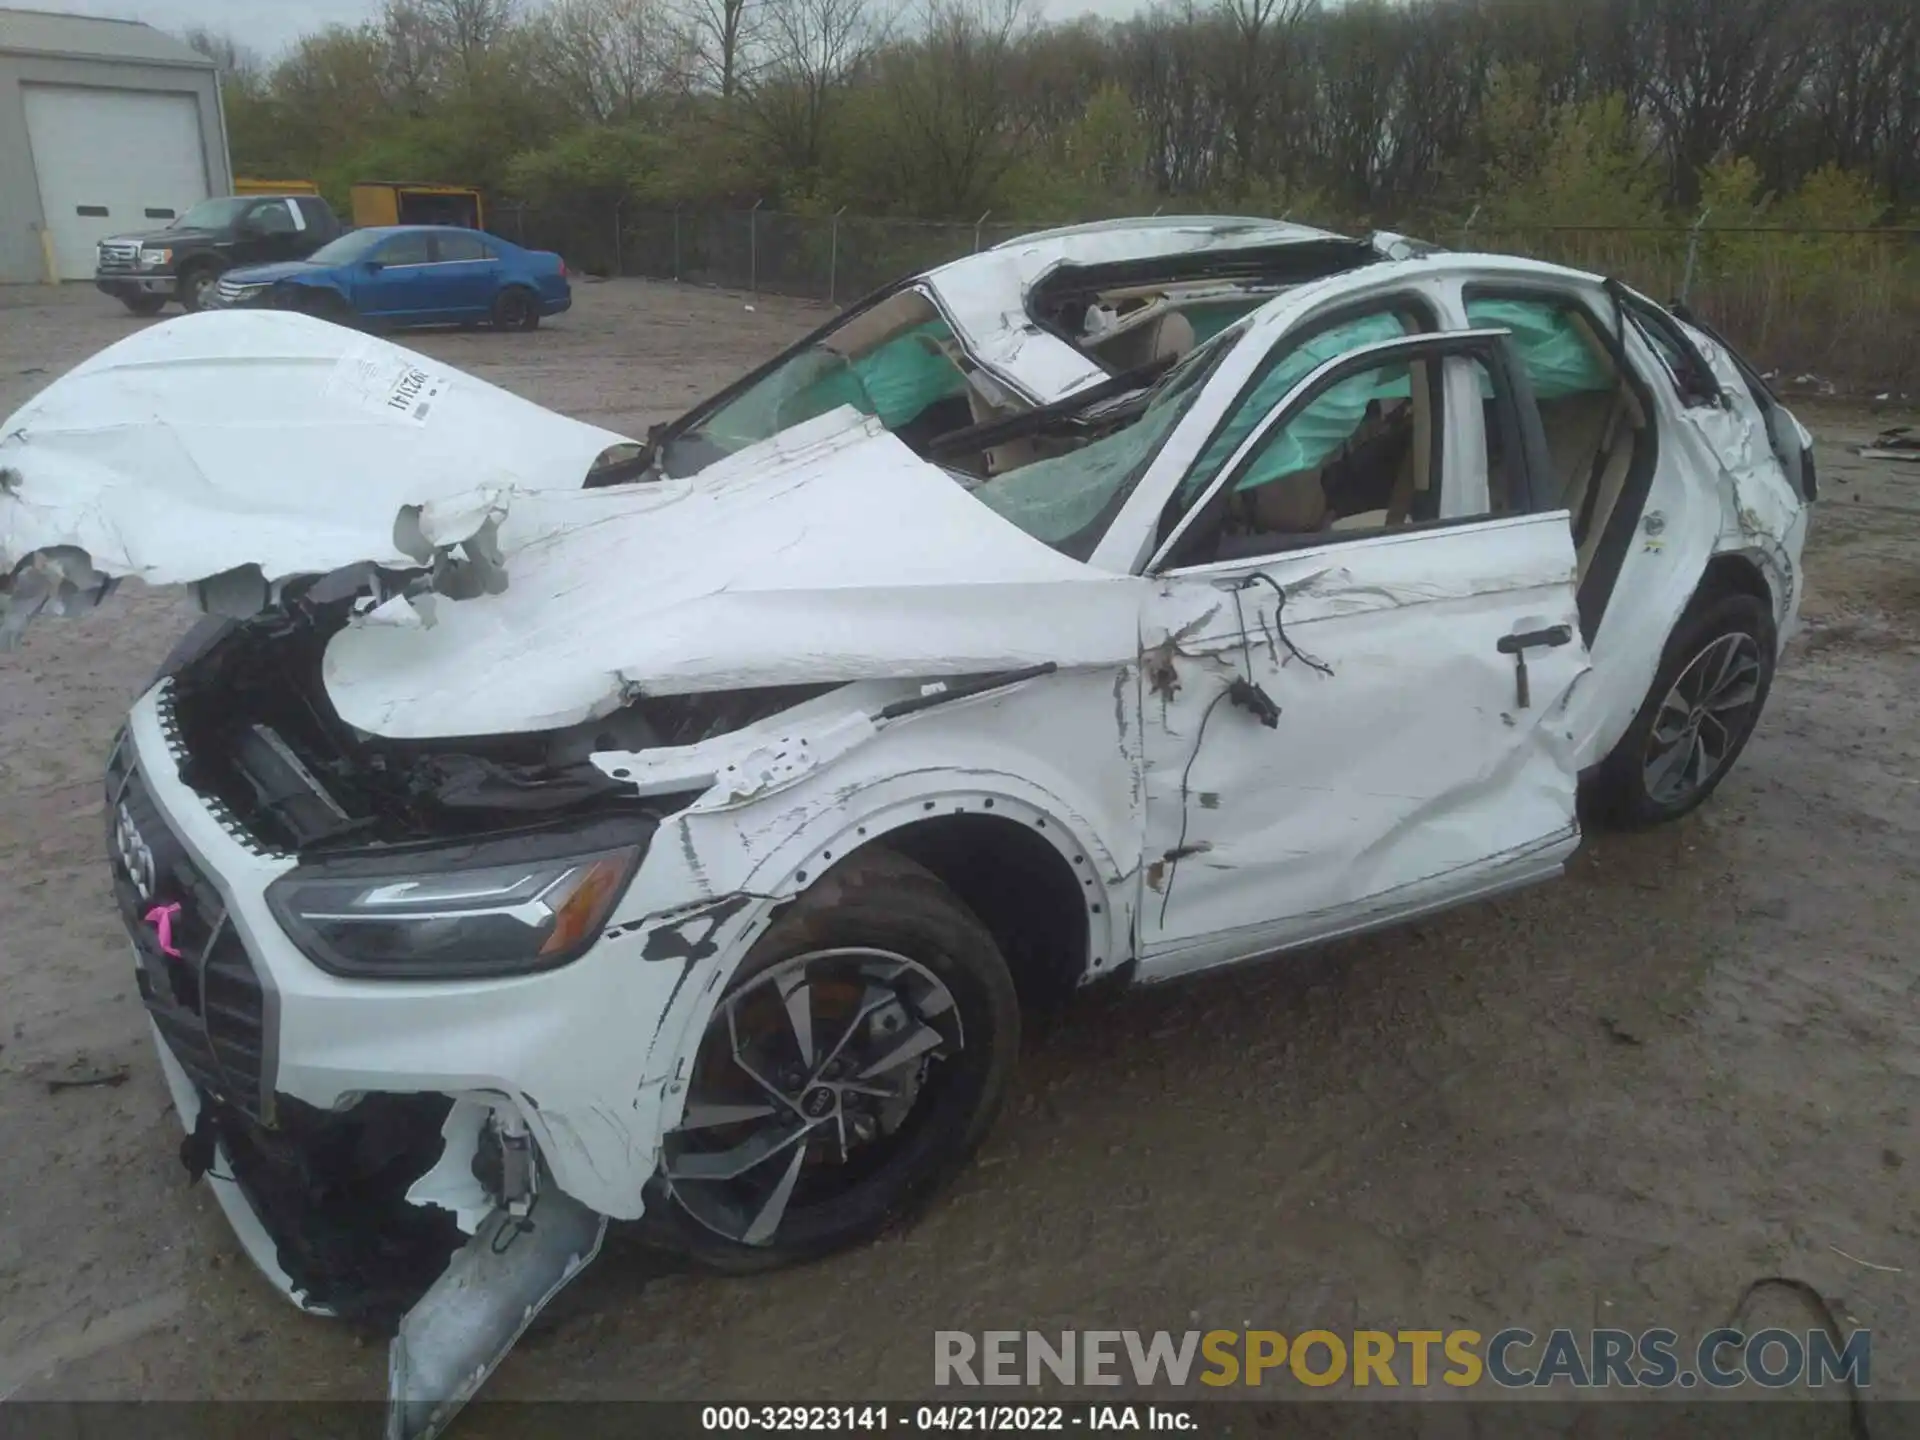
(221, 440)
(829, 553)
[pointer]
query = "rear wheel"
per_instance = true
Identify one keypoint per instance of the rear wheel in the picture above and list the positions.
(851, 1068)
(1701, 711)
(144, 304)
(196, 283)
(516, 308)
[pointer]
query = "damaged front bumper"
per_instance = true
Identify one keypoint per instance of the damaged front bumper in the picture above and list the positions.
(435, 1158)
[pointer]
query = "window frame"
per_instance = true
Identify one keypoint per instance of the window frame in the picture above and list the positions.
(1534, 292)
(296, 222)
(392, 240)
(1521, 438)
(1596, 587)
(704, 410)
(1414, 301)
(439, 239)
(1651, 320)
(313, 210)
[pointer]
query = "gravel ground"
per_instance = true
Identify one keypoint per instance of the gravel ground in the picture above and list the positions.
(1614, 1100)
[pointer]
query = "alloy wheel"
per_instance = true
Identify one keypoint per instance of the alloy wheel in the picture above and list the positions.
(1703, 718)
(809, 1078)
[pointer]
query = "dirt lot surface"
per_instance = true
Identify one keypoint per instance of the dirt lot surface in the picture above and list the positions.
(1614, 1100)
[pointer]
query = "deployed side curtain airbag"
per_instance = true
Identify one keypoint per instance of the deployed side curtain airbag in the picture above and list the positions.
(909, 373)
(1272, 388)
(1558, 358)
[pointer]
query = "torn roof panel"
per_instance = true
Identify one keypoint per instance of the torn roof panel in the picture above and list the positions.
(985, 295)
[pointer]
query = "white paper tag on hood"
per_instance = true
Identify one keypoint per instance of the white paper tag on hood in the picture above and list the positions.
(374, 378)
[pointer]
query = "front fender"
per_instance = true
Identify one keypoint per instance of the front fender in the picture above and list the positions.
(775, 856)
(315, 288)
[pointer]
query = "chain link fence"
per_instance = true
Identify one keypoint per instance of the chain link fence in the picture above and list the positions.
(1839, 304)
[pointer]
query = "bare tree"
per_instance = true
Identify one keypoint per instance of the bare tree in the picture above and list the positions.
(414, 55)
(957, 126)
(1257, 65)
(809, 51)
(720, 35)
(602, 59)
(1722, 78)
(1167, 61)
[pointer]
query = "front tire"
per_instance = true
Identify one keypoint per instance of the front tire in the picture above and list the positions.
(321, 305)
(853, 1065)
(1706, 698)
(196, 281)
(145, 306)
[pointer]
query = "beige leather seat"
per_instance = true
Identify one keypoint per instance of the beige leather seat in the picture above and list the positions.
(1168, 335)
(1614, 461)
(1294, 504)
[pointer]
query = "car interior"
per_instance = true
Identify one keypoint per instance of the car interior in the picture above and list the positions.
(1364, 454)
(1596, 427)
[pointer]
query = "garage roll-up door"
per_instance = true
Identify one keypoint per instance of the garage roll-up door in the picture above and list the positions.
(105, 158)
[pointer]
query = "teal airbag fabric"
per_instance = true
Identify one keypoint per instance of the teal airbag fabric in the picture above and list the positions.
(1558, 358)
(1320, 432)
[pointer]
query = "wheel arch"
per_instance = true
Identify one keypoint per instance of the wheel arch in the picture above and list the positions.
(1038, 902)
(1032, 868)
(329, 290)
(1744, 572)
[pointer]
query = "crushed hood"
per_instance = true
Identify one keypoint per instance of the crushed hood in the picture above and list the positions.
(242, 449)
(829, 553)
(270, 440)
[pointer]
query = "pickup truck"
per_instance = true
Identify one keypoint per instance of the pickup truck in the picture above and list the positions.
(144, 271)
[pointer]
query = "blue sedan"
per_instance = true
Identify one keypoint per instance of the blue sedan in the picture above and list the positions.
(392, 276)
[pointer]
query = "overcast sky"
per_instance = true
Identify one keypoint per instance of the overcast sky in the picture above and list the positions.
(269, 26)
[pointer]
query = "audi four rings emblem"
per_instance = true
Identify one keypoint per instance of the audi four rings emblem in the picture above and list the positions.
(133, 852)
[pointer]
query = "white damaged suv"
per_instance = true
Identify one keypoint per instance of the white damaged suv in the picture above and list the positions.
(556, 828)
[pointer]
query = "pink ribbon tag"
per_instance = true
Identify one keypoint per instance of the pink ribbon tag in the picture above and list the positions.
(161, 918)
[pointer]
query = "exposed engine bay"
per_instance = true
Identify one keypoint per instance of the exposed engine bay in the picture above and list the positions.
(262, 737)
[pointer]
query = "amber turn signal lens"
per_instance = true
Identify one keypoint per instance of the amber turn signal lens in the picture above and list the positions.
(595, 887)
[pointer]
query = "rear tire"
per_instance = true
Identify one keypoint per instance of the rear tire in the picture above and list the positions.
(144, 305)
(1706, 698)
(927, 949)
(516, 308)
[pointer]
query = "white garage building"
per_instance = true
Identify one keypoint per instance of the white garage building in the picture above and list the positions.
(106, 126)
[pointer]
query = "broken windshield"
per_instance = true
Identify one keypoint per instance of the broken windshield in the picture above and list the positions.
(896, 361)
(1068, 500)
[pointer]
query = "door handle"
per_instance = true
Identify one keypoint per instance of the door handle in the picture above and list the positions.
(1517, 646)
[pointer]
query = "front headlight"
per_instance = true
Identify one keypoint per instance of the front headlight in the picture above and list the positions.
(154, 259)
(380, 920)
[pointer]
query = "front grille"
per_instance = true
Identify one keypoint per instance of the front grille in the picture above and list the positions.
(207, 1002)
(229, 292)
(118, 255)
